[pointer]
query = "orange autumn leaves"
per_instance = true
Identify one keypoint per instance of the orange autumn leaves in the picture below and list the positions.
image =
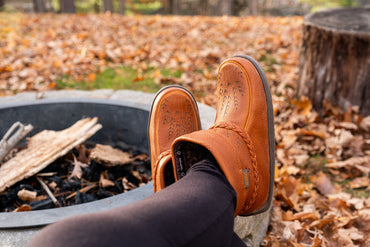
(36, 50)
(321, 193)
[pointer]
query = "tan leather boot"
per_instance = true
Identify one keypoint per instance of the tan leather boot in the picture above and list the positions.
(242, 138)
(174, 113)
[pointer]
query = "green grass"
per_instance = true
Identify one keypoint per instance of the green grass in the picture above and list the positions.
(359, 193)
(318, 5)
(268, 61)
(147, 8)
(135, 7)
(121, 78)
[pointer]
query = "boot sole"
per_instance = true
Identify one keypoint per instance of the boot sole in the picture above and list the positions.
(271, 132)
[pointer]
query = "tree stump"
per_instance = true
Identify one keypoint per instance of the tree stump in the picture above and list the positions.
(334, 62)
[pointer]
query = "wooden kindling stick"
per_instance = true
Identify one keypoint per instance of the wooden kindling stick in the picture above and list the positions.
(12, 137)
(48, 191)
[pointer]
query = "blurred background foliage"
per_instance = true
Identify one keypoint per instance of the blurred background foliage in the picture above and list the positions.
(181, 7)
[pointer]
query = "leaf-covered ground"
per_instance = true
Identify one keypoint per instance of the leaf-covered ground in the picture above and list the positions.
(322, 163)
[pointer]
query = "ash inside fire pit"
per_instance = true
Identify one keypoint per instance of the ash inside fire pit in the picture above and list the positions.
(77, 178)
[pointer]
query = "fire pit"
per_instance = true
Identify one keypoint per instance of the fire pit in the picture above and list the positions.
(123, 124)
(123, 115)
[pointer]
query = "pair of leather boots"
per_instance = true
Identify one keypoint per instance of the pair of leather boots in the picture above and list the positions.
(241, 139)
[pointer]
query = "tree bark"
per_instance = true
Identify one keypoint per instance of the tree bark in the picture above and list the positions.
(334, 59)
(2, 3)
(108, 6)
(203, 7)
(67, 6)
(122, 7)
(175, 7)
(49, 6)
(253, 7)
(39, 6)
(225, 7)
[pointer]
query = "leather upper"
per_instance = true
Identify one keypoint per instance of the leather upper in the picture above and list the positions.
(174, 113)
(239, 139)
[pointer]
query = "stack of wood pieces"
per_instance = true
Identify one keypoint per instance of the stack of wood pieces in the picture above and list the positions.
(44, 148)
(56, 170)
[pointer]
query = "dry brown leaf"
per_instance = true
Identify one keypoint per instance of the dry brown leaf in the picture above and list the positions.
(328, 219)
(108, 156)
(317, 241)
(290, 170)
(104, 181)
(365, 124)
(23, 208)
(314, 133)
(303, 106)
(359, 182)
(323, 184)
(360, 163)
(27, 195)
(141, 157)
(83, 154)
(127, 185)
(356, 203)
(77, 168)
(353, 233)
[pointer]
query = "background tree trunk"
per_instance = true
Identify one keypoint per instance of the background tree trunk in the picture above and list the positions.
(253, 7)
(108, 6)
(39, 6)
(175, 6)
(2, 3)
(67, 6)
(122, 7)
(335, 59)
(204, 7)
(96, 6)
(225, 7)
(49, 6)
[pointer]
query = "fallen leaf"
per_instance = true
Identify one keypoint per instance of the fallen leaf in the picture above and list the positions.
(108, 156)
(365, 124)
(356, 203)
(23, 208)
(77, 169)
(359, 182)
(353, 233)
(303, 105)
(104, 181)
(27, 195)
(360, 163)
(322, 183)
(127, 185)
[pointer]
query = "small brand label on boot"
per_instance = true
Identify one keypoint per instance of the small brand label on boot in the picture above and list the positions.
(246, 178)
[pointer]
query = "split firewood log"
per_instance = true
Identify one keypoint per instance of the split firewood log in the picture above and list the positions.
(43, 149)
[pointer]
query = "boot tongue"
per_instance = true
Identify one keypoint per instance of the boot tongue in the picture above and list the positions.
(186, 154)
